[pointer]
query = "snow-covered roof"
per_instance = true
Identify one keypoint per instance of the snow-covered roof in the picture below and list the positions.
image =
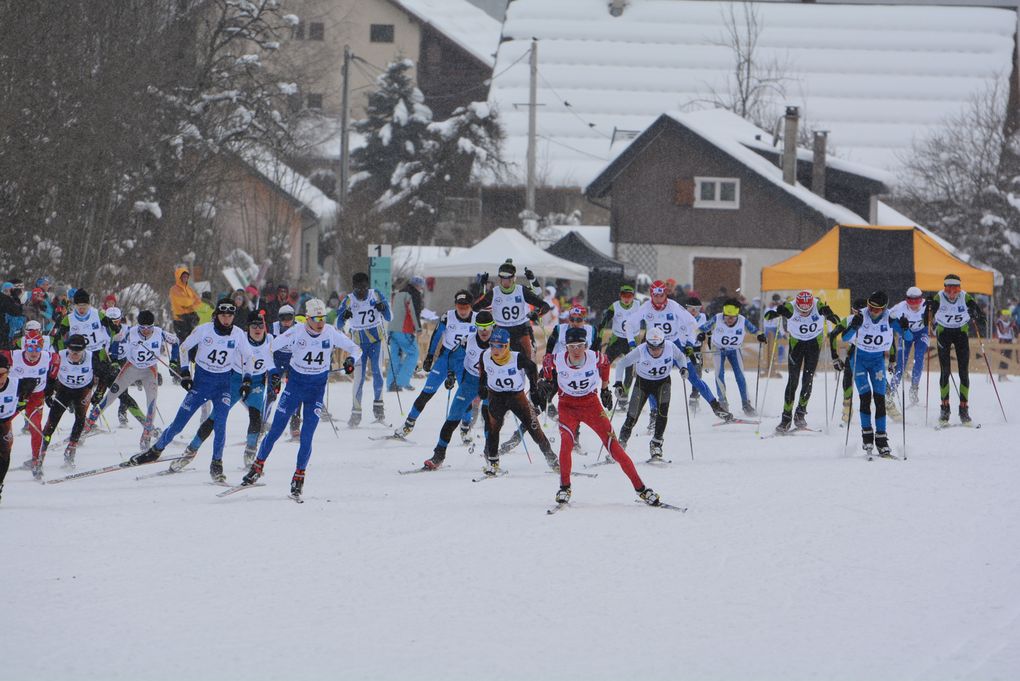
(292, 183)
(503, 243)
(460, 21)
(876, 76)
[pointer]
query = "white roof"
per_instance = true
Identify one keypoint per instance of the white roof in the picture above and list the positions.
(489, 253)
(461, 22)
(724, 129)
(408, 261)
(292, 183)
(875, 76)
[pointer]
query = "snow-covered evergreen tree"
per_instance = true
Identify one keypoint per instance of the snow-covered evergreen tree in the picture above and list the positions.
(962, 183)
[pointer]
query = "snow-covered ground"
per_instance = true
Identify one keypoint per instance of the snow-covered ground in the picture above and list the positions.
(794, 561)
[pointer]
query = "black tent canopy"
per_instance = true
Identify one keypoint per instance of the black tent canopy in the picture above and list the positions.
(604, 274)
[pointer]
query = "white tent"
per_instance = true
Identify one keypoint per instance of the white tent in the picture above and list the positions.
(490, 252)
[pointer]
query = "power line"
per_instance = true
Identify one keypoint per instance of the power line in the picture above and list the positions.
(570, 109)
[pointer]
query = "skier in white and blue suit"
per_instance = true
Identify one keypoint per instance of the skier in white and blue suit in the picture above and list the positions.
(312, 345)
(218, 349)
(445, 358)
(367, 310)
(875, 332)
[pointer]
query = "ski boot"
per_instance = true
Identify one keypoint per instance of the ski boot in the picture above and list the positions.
(37, 472)
(914, 399)
(748, 408)
(868, 439)
(563, 496)
(882, 445)
(652, 415)
(148, 435)
(253, 474)
(720, 411)
(250, 452)
(216, 471)
(148, 456)
(944, 413)
(186, 458)
(355, 419)
(491, 467)
(27, 464)
(552, 411)
(438, 457)
(622, 403)
(655, 450)
(784, 423)
(69, 454)
(295, 427)
(405, 430)
(465, 436)
(693, 404)
(648, 496)
(297, 483)
(847, 405)
(552, 461)
(799, 420)
(514, 440)
(577, 444)
(964, 412)
(123, 418)
(379, 412)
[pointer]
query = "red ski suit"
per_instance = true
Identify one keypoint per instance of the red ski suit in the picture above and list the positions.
(575, 410)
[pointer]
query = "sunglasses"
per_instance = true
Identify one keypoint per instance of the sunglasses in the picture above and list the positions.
(498, 345)
(506, 276)
(575, 346)
(319, 318)
(226, 309)
(259, 323)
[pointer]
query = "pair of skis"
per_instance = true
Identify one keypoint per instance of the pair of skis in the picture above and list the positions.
(662, 504)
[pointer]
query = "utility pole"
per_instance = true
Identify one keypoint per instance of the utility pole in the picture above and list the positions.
(529, 197)
(345, 135)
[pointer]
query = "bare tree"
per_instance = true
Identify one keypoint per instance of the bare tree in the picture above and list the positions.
(959, 183)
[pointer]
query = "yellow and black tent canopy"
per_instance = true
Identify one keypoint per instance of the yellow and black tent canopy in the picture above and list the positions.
(866, 258)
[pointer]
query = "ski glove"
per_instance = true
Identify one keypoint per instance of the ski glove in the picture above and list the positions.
(483, 279)
(701, 337)
(533, 316)
(856, 321)
(904, 323)
(761, 338)
(381, 306)
(621, 389)
(683, 372)
(186, 381)
(426, 364)
(528, 274)
(483, 391)
(274, 383)
(607, 398)
(175, 367)
(349, 365)
(245, 388)
(451, 380)
(348, 314)
(537, 396)
(837, 364)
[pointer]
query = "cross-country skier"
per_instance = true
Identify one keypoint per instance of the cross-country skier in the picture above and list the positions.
(445, 358)
(694, 307)
(312, 345)
(219, 348)
(141, 346)
(264, 375)
(952, 309)
(460, 408)
(501, 382)
(281, 358)
(805, 324)
(845, 367)
(677, 327)
(509, 302)
(32, 363)
(76, 372)
(13, 394)
(727, 329)
(914, 309)
(581, 377)
(367, 312)
(874, 334)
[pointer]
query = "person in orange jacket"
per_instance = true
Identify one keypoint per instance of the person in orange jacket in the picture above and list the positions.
(184, 303)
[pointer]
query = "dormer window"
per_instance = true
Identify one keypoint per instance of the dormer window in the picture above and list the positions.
(717, 192)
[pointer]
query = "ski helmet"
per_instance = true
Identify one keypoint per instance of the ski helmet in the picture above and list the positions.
(878, 300)
(146, 318)
(804, 301)
(658, 288)
(578, 312)
(76, 343)
(285, 311)
(655, 337)
(113, 314)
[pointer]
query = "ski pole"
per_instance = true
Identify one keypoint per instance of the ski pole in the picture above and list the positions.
(757, 379)
(984, 356)
(386, 343)
(927, 383)
(825, 377)
(772, 356)
(903, 396)
(520, 426)
(687, 412)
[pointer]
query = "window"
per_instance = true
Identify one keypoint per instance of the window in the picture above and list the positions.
(717, 192)
(381, 33)
(314, 100)
(299, 31)
(316, 30)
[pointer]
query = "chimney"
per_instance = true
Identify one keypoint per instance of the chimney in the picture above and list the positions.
(616, 7)
(790, 145)
(818, 163)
